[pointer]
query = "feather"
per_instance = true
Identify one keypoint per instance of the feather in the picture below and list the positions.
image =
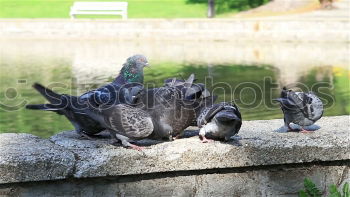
(131, 122)
(50, 95)
(300, 108)
(46, 107)
(208, 114)
(219, 121)
(76, 108)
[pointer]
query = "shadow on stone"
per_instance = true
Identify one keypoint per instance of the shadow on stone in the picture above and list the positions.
(297, 128)
(190, 133)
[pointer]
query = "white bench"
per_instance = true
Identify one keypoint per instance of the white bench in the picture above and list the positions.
(107, 8)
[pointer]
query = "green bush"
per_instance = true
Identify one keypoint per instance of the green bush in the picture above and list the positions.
(222, 6)
(312, 191)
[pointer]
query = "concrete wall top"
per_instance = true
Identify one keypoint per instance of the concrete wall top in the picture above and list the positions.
(248, 29)
(24, 157)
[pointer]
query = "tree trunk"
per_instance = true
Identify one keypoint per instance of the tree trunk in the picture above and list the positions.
(211, 8)
(326, 4)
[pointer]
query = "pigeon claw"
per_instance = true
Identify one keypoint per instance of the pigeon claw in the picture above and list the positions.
(85, 136)
(290, 129)
(205, 140)
(135, 147)
(305, 131)
(114, 142)
(177, 137)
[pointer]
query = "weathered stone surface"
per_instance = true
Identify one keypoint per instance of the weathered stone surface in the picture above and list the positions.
(232, 29)
(24, 157)
(267, 163)
(261, 145)
(285, 182)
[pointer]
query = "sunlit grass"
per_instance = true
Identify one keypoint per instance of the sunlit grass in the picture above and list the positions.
(136, 9)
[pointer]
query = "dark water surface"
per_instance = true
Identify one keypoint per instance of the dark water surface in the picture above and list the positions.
(251, 86)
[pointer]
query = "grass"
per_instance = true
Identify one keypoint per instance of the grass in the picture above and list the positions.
(137, 9)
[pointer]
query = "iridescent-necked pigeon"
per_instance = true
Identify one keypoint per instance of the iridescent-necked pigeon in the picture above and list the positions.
(122, 90)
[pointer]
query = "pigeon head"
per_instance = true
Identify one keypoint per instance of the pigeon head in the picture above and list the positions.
(189, 90)
(132, 70)
(196, 91)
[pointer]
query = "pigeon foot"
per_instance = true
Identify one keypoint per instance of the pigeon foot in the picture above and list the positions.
(306, 131)
(114, 142)
(135, 147)
(290, 129)
(177, 137)
(205, 140)
(85, 136)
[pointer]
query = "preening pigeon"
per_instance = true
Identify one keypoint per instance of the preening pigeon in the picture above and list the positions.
(123, 89)
(174, 107)
(300, 108)
(219, 121)
(196, 91)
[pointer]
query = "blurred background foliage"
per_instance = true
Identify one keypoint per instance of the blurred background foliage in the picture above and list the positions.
(224, 6)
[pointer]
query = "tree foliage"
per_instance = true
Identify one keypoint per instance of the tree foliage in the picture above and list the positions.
(222, 6)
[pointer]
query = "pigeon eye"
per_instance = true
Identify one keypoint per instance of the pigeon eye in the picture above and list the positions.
(310, 100)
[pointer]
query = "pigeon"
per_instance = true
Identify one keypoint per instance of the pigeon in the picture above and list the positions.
(174, 107)
(158, 114)
(173, 82)
(132, 70)
(219, 121)
(300, 108)
(124, 89)
(124, 123)
(131, 75)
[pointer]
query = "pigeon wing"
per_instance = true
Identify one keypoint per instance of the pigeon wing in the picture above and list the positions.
(208, 113)
(290, 101)
(130, 121)
(313, 106)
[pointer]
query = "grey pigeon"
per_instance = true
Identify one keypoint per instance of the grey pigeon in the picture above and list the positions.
(160, 113)
(122, 90)
(124, 123)
(300, 108)
(220, 121)
(174, 107)
(198, 87)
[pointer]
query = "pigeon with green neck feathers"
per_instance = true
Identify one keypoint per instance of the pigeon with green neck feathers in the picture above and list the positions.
(123, 89)
(132, 70)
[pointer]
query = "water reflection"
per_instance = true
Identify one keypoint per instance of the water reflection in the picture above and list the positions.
(253, 87)
(250, 75)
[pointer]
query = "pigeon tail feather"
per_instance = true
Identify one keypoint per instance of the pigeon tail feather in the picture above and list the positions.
(45, 107)
(50, 95)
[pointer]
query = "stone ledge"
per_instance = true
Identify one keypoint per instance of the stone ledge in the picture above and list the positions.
(25, 157)
(30, 158)
(272, 182)
(260, 146)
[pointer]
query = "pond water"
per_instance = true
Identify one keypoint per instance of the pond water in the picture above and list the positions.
(251, 74)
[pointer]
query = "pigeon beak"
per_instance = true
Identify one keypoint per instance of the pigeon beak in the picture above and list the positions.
(205, 93)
